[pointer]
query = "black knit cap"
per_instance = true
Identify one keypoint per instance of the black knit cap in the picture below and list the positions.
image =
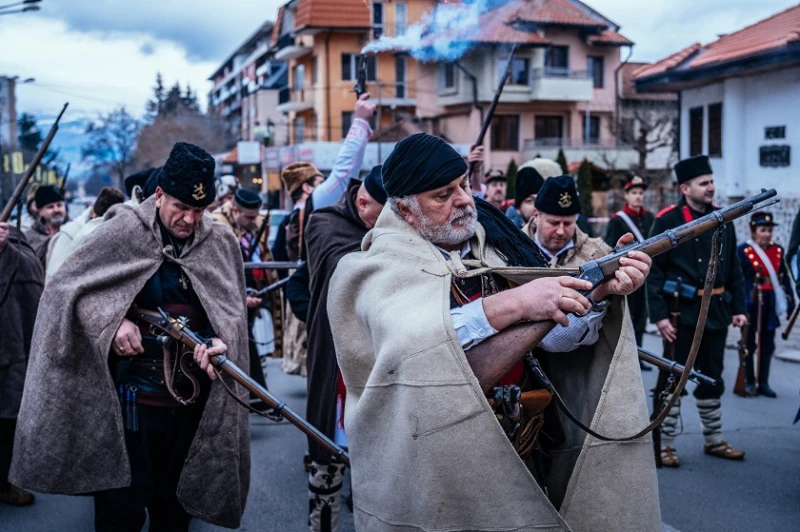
(762, 218)
(138, 179)
(420, 163)
(692, 167)
(374, 185)
(188, 175)
(529, 182)
(46, 195)
(558, 196)
(494, 175)
(150, 185)
(247, 199)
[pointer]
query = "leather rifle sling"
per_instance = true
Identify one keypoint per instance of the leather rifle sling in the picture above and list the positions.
(705, 301)
(170, 371)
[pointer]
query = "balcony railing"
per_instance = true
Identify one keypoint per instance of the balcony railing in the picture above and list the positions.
(287, 39)
(389, 30)
(560, 72)
(558, 142)
(399, 90)
(291, 99)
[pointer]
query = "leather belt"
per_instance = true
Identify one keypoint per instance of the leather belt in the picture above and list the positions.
(714, 292)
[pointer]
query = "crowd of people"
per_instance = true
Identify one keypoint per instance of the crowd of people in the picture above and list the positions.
(432, 325)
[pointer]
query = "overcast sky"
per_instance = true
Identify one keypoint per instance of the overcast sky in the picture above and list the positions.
(102, 53)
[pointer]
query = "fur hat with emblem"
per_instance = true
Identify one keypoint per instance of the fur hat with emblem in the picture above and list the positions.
(188, 175)
(294, 175)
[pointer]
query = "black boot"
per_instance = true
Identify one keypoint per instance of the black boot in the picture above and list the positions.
(764, 389)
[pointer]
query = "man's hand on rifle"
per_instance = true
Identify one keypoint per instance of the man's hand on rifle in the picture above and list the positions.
(475, 155)
(203, 354)
(253, 302)
(666, 329)
(128, 339)
(633, 270)
(739, 320)
(549, 298)
(3, 235)
(364, 109)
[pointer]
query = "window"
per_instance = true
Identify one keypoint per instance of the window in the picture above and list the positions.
(549, 130)
(400, 17)
(594, 64)
(505, 133)
(377, 14)
(593, 136)
(400, 76)
(715, 130)
(350, 67)
(299, 130)
(695, 131)
(347, 121)
(447, 76)
(299, 77)
(520, 70)
(315, 72)
(556, 60)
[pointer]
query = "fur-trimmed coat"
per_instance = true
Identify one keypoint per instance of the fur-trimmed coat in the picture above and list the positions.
(70, 436)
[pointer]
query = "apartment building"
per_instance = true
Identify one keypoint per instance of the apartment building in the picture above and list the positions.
(245, 88)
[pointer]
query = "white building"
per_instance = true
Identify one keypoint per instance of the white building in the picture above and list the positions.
(739, 100)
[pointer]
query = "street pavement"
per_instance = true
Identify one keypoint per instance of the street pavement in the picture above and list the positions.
(705, 495)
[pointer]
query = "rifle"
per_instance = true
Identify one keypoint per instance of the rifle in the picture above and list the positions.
(790, 323)
(760, 318)
(361, 76)
(177, 330)
(274, 265)
(494, 357)
(259, 235)
(64, 180)
(665, 379)
(673, 368)
(475, 167)
(15, 197)
(268, 289)
(740, 386)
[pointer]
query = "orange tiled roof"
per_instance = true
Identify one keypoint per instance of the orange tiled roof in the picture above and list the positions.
(772, 33)
(332, 14)
(628, 86)
(276, 29)
(609, 36)
(232, 157)
(556, 12)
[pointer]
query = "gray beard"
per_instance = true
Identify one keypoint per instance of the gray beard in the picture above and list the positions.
(447, 234)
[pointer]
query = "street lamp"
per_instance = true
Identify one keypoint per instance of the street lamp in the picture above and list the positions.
(27, 5)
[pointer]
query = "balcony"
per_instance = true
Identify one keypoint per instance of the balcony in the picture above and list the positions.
(604, 152)
(287, 49)
(400, 94)
(296, 100)
(388, 30)
(562, 85)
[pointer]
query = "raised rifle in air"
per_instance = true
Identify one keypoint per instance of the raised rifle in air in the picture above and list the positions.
(17, 195)
(168, 328)
(475, 167)
(361, 76)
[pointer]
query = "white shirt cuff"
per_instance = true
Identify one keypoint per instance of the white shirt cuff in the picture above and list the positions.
(471, 324)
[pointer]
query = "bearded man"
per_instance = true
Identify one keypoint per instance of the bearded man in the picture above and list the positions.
(332, 233)
(21, 284)
(89, 363)
(51, 213)
(427, 319)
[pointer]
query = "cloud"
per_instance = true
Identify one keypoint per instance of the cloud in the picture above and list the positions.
(206, 29)
(147, 48)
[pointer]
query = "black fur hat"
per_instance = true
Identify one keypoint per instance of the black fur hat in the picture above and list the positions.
(692, 167)
(558, 196)
(247, 199)
(47, 195)
(188, 175)
(139, 178)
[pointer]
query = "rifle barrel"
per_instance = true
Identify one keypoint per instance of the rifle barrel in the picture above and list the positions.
(673, 367)
(271, 288)
(31, 168)
(274, 265)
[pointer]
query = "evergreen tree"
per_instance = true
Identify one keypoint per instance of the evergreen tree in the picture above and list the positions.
(561, 159)
(585, 188)
(30, 136)
(511, 175)
(155, 107)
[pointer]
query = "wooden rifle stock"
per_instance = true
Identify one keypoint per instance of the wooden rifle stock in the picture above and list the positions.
(31, 169)
(475, 167)
(790, 324)
(178, 331)
(259, 234)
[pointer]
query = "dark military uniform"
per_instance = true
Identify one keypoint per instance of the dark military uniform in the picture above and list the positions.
(617, 226)
(690, 263)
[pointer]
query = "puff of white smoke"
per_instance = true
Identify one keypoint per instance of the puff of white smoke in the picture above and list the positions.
(442, 35)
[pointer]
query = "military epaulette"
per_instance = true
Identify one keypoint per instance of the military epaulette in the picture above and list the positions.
(665, 210)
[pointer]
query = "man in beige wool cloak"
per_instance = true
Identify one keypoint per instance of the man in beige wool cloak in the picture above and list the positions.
(448, 426)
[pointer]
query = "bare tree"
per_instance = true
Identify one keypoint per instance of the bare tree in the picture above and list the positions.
(156, 140)
(110, 144)
(646, 130)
